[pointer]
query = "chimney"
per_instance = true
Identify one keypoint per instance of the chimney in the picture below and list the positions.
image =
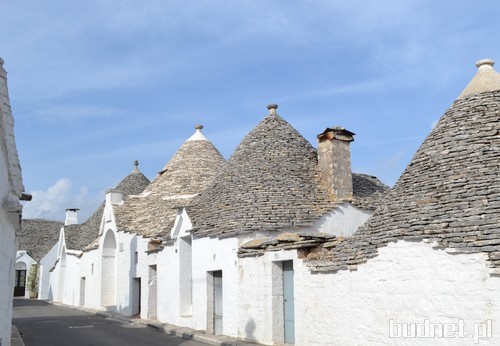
(71, 217)
(114, 196)
(334, 161)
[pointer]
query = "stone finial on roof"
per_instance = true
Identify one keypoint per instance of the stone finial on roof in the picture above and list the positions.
(136, 167)
(198, 136)
(272, 108)
(486, 79)
(1, 61)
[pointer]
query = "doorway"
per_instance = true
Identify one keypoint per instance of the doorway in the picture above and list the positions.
(82, 291)
(215, 311)
(20, 283)
(153, 293)
(288, 302)
(283, 306)
(136, 296)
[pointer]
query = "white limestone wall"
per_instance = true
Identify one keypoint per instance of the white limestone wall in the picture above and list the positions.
(131, 251)
(409, 282)
(213, 255)
(169, 264)
(342, 221)
(46, 264)
(90, 269)
(256, 294)
(11, 188)
(7, 256)
(24, 261)
(168, 285)
(72, 280)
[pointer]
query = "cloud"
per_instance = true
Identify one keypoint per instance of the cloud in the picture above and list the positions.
(52, 202)
(434, 123)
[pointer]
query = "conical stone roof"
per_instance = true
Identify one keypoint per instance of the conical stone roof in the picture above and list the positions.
(188, 173)
(270, 183)
(38, 236)
(448, 194)
(79, 236)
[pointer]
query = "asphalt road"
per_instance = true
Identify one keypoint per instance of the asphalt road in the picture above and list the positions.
(43, 324)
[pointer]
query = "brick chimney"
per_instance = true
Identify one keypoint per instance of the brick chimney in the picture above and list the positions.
(334, 161)
(71, 217)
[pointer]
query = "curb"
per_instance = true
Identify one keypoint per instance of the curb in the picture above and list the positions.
(15, 338)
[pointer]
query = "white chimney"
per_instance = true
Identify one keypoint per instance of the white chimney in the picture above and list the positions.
(114, 197)
(71, 217)
(334, 161)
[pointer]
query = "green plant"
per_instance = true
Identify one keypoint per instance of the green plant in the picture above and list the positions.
(32, 281)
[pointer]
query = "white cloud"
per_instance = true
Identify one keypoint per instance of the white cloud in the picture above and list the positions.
(434, 123)
(52, 203)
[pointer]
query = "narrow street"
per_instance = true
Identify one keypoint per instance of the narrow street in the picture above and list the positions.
(43, 324)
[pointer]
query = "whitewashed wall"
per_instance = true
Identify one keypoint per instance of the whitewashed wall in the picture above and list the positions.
(11, 188)
(90, 269)
(128, 272)
(7, 255)
(46, 264)
(408, 282)
(168, 274)
(213, 255)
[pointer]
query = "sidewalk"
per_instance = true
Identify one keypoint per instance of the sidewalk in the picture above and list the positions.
(170, 329)
(15, 339)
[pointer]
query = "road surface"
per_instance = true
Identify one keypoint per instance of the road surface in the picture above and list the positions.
(43, 324)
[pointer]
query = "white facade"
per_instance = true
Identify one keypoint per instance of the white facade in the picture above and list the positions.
(409, 283)
(46, 265)
(11, 189)
(190, 298)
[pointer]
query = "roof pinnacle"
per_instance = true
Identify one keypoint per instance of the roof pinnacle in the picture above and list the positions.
(272, 108)
(485, 62)
(486, 79)
(136, 167)
(1, 61)
(198, 136)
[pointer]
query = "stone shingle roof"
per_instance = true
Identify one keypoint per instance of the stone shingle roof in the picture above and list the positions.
(368, 191)
(271, 182)
(448, 195)
(79, 236)
(38, 236)
(152, 214)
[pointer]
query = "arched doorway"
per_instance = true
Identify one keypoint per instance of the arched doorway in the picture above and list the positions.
(20, 282)
(108, 273)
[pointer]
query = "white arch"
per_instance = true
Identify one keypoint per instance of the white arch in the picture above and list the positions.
(108, 272)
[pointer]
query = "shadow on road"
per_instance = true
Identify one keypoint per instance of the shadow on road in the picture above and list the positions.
(18, 302)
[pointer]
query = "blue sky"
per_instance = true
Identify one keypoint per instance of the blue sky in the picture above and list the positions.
(95, 85)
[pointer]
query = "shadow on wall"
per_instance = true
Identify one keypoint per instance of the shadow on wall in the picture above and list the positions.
(250, 329)
(51, 295)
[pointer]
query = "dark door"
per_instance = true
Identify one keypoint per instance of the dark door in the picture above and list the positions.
(20, 283)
